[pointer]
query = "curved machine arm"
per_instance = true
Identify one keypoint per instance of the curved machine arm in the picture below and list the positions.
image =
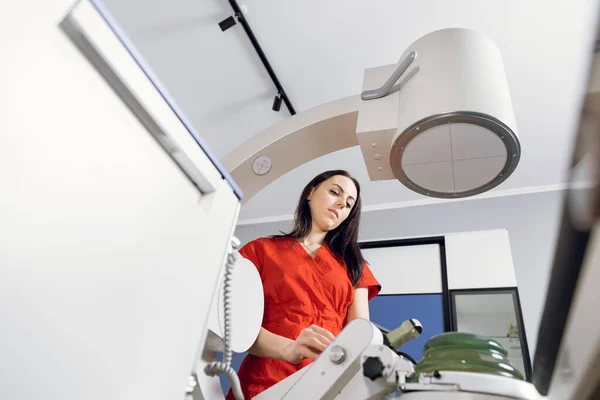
(337, 125)
(327, 128)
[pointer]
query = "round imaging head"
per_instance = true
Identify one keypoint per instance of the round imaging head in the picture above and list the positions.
(456, 135)
(455, 155)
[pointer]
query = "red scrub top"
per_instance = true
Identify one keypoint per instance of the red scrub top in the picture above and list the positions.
(299, 292)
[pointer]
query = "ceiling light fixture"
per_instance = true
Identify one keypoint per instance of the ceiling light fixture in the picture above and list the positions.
(227, 23)
(277, 102)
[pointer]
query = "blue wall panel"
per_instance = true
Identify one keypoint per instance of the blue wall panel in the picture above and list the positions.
(390, 311)
(236, 361)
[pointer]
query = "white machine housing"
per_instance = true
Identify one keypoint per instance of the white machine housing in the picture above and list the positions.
(337, 373)
(114, 225)
(448, 128)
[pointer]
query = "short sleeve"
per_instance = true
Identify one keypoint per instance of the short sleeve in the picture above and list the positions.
(253, 252)
(369, 281)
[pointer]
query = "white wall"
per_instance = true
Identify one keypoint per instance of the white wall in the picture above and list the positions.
(531, 220)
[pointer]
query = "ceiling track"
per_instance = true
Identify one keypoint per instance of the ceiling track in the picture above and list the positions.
(281, 94)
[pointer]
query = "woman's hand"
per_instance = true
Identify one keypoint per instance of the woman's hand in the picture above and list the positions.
(311, 342)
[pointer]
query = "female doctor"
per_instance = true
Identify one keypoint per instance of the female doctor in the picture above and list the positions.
(315, 281)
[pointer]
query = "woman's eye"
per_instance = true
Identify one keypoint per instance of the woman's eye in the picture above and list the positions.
(348, 205)
(333, 192)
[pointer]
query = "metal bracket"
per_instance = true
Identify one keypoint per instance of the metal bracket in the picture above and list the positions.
(387, 86)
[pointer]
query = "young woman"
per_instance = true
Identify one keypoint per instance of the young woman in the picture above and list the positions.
(315, 282)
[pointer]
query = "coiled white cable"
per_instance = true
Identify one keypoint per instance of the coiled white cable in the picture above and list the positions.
(224, 367)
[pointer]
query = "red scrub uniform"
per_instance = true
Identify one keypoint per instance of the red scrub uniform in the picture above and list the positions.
(299, 292)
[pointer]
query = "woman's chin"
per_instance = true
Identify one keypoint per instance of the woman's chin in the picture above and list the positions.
(326, 226)
(331, 226)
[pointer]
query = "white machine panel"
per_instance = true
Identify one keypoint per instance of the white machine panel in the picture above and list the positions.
(406, 269)
(577, 372)
(110, 254)
(479, 259)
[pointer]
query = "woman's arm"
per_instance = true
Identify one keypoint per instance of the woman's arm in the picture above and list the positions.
(269, 345)
(310, 343)
(360, 305)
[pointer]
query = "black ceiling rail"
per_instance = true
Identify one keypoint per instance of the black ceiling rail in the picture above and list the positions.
(228, 23)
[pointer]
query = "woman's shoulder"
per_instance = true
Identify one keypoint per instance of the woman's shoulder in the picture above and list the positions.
(269, 242)
(265, 247)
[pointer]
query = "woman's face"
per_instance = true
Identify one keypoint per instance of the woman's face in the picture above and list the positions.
(331, 202)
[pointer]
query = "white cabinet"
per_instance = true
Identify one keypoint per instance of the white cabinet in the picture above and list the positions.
(406, 269)
(479, 259)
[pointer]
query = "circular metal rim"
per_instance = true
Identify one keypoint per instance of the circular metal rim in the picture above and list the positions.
(509, 138)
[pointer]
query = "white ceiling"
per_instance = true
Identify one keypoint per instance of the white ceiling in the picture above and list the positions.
(319, 50)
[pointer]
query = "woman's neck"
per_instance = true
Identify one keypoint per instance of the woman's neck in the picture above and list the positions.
(315, 237)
